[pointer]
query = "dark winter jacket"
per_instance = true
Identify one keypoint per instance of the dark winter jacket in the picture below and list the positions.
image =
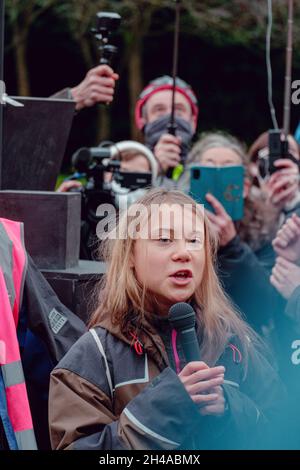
(104, 395)
(246, 282)
(47, 330)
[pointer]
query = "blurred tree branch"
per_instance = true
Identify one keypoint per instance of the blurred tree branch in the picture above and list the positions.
(238, 22)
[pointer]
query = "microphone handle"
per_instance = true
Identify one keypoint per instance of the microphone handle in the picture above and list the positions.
(172, 126)
(189, 342)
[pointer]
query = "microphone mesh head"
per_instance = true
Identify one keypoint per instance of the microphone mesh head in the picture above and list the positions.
(182, 316)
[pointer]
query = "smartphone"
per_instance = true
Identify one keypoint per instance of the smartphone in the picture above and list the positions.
(278, 148)
(225, 183)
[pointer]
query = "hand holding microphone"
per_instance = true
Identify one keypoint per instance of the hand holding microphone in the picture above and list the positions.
(203, 383)
(167, 151)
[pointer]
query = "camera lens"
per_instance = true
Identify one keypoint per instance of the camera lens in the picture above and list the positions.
(196, 174)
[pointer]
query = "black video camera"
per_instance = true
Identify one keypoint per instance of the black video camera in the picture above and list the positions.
(93, 163)
(107, 23)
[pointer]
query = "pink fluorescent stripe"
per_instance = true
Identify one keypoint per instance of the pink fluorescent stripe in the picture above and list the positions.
(234, 351)
(18, 407)
(174, 347)
(8, 336)
(13, 230)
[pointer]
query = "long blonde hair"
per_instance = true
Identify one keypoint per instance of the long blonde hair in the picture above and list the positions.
(123, 298)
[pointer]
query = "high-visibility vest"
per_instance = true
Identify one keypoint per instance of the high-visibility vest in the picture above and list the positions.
(13, 262)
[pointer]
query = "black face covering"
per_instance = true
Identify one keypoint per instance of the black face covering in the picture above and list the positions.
(154, 130)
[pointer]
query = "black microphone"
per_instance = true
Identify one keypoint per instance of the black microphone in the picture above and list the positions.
(183, 318)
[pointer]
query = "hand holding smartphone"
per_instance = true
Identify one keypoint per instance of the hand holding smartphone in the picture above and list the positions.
(225, 183)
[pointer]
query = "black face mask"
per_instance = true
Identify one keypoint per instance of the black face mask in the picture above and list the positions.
(154, 130)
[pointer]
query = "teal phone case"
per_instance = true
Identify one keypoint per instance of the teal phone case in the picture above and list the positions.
(225, 183)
